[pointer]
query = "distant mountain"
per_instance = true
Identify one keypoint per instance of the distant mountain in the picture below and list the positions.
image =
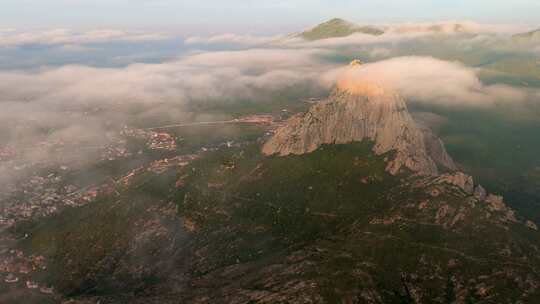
(531, 36)
(338, 28)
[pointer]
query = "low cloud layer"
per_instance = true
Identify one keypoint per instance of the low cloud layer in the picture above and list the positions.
(15, 38)
(84, 106)
(198, 76)
(245, 40)
(78, 108)
(56, 98)
(73, 98)
(454, 27)
(430, 81)
(393, 33)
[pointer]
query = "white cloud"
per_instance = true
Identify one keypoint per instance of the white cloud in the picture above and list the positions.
(429, 80)
(219, 76)
(77, 105)
(15, 38)
(77, 48)
(379, 52)
(453, 27)
(216, 75)
(464, 32)
(250, 40)
(353, 40)
(393, 33)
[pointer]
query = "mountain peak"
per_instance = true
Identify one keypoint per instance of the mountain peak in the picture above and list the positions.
(336, 28)
(338, 21)
(363, 111)
(356, 63)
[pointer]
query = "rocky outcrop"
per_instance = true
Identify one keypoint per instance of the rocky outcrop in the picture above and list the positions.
(359, 110)
(480, 193)
(496, 202)
(458, 179)
(363, 112)
(531, 225)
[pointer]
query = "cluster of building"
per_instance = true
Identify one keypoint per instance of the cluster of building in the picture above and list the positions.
(12, 279)
(127, 178)
(14, 261)
(161, 141)
(160, 166)
(41, 196)
(16, 268)
(154, 140)
(35, 196)
(38, 195)
(112, 153)
(7, 153)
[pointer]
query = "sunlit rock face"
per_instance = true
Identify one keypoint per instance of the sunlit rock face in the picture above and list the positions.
(356, 111)
(353, 116)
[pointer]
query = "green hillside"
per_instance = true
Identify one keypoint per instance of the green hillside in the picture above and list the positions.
(327, 227)
(336, 28)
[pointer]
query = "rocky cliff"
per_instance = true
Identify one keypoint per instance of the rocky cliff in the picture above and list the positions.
(365, 111)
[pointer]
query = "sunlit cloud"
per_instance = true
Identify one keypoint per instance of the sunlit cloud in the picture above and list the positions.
(430, 81)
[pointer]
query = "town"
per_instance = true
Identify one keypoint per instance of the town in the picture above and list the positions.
(48, 188)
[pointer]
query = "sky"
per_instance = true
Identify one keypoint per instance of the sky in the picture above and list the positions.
(259, 16)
